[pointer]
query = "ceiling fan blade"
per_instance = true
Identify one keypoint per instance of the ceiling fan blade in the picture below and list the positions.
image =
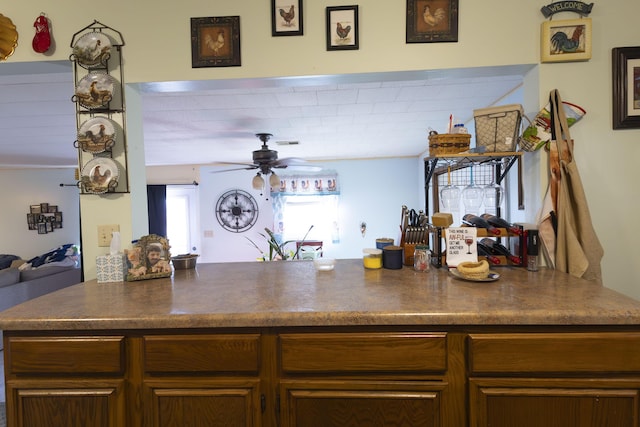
(246, 166)
(295, 163)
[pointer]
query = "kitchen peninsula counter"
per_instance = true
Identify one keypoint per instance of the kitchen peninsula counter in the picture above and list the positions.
(294, 294)
(280, 344)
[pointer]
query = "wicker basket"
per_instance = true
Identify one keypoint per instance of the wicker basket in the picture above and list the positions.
(448, 143)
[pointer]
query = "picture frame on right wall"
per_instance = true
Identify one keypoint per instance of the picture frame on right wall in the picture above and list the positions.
(566, 40)
(626, 87)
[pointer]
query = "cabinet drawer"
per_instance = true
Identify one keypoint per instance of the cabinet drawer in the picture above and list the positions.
(355, 352)
(558, 353)
(66, 355)
(202, 353)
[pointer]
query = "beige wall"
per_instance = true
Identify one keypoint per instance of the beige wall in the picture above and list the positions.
(492, 32)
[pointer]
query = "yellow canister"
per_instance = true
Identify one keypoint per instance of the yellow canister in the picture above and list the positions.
(372, 258)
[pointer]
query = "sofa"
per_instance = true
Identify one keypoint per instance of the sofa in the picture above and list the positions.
(21, 281)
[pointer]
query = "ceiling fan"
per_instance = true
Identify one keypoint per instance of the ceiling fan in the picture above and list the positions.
(266, 160)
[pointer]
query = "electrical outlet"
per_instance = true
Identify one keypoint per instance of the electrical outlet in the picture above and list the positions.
(105, 233)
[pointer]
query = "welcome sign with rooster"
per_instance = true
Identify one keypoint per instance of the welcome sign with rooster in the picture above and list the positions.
(566, 40)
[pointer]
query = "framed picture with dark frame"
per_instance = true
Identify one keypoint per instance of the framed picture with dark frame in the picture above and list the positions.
(35, 209)
(342, 28)
(286, 18)
(42, 228)
(432, 21)
(565, 40)
(215, 42)
(626, 87)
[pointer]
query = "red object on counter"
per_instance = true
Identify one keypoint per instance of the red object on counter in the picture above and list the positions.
(42, 40)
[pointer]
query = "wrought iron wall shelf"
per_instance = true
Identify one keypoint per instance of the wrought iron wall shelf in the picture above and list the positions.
(100, 109)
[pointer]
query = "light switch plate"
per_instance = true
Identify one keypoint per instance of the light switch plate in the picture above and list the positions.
(105, 233)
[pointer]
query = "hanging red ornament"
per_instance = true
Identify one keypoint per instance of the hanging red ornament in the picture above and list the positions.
(42, 39)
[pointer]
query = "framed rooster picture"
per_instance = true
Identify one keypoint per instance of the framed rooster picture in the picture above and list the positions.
(286, 18)
(215, 42)
(566, 40)
(342, 28)
(432, 21)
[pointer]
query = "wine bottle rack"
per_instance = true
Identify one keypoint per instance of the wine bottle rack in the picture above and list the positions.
(439, 258)
(500, 163)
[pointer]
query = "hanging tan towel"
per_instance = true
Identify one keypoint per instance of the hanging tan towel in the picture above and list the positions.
(578, 250)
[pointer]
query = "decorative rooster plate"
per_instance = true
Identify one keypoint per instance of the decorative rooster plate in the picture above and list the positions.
(92, 49)
(95, 90)
(100, 175)
(97, 135)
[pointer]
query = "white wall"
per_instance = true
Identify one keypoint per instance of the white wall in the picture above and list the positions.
(22, 188)
(372, 191)
(492, 32)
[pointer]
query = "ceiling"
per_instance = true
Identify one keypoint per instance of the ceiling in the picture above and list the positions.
(372, 115)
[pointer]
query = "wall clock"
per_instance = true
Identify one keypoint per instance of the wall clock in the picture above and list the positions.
(236, 211)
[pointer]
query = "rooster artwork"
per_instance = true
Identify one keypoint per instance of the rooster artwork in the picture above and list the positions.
(571, 42)
(342, 31)
(215, 43)
(288, 16)
(433, 17)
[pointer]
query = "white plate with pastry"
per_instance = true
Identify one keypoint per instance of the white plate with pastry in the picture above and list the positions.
(492, 276)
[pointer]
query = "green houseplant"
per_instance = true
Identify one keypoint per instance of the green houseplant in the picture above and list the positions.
(277, 250)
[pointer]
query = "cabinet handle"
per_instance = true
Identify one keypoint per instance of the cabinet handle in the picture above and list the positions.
(263, 403)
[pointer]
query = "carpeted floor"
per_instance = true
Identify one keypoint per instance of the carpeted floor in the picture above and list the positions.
(3, 420)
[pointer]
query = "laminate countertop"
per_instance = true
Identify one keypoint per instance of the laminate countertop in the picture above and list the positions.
(292, 293)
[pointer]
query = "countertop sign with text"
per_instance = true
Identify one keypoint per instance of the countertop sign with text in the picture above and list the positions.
(461, 245)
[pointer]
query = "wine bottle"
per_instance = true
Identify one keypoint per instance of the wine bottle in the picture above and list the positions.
(486, 252)
(496, 221)
(476, 221)
(500, 249)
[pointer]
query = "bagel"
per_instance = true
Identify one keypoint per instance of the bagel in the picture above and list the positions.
(474, 270)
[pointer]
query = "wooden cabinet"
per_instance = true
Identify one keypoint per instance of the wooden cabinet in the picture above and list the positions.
(561, 379)
(338, 379)
(66, 381)
(210, 380)
(334, 376)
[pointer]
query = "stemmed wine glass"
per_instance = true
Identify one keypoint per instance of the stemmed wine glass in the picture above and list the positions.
(472, 196)
(468, 240)
(450, 194)
(493, 195)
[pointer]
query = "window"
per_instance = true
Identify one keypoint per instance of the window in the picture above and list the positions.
(182, 219)
(296, 214)
(305, 201)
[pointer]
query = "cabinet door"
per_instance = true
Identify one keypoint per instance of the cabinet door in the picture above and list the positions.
(201, 402)
(356, 403)
(540, 403)
(66, 403)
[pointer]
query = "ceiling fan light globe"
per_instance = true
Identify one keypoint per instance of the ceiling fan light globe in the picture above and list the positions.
(257, 182)
(274, 180)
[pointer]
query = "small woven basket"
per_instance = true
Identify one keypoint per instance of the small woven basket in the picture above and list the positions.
(448, 143)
